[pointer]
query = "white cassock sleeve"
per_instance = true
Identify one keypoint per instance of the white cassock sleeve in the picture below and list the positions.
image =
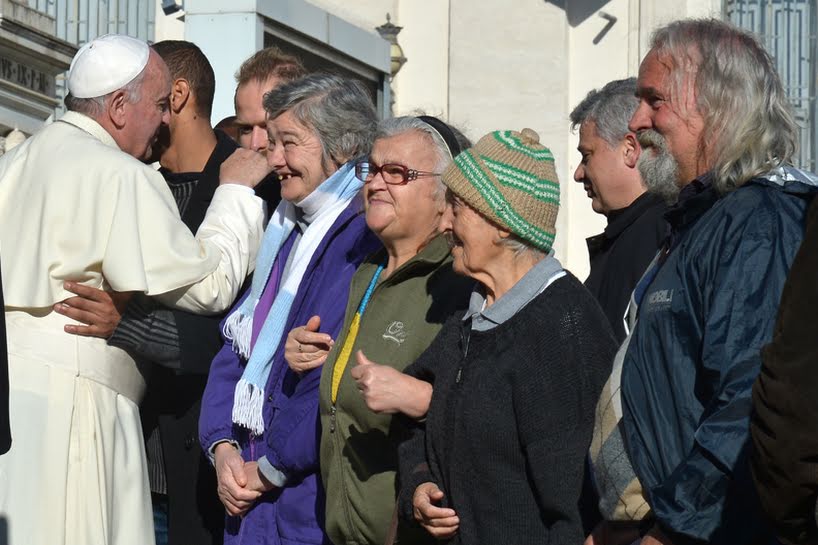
(225, 231)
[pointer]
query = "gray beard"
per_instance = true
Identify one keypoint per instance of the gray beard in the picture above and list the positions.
(659, 170)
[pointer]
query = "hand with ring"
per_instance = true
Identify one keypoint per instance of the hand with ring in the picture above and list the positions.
(306, 348)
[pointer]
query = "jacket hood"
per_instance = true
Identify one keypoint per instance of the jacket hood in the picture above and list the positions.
(790, 180)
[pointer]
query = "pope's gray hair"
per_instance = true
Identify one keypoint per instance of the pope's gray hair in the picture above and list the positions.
(338, 109)
(749, 127)
(610, 109)
(94, 106)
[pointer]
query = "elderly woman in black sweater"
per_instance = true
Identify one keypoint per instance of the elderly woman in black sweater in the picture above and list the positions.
(517, 378)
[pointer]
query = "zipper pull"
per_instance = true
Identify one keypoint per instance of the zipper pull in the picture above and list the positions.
(332, 412)
(465, 335)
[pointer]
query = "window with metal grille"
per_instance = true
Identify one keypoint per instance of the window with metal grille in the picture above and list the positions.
(788, 30)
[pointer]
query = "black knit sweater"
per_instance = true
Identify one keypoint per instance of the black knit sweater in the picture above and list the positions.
(511, 419)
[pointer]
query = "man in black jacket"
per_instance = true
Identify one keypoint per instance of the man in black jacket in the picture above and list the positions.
(636, 225)
(619, 255)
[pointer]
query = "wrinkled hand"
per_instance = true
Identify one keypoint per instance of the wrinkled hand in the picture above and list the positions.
(305, 348)
(387, 390)
(232, 488)
(244, 167)
(99, 310)
(255, 480)
(440, 522)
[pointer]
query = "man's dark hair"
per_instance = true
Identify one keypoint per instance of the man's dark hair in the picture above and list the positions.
(186, 61)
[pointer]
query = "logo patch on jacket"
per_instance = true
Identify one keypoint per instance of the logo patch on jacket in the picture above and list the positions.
(395, 332)
(660, 299)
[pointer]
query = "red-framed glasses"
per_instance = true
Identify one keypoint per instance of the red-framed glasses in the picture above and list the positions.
(393, 173)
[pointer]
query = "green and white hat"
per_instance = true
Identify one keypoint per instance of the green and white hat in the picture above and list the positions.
(510, 178)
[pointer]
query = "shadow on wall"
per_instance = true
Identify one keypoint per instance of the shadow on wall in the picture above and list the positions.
(578, 11)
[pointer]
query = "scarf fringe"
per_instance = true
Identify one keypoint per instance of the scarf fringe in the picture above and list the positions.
(239, 329)
(247, 406)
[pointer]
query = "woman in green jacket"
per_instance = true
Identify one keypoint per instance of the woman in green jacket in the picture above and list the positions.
(399, 299)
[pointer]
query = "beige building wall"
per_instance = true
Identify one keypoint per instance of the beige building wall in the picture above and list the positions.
(496, 64)
(484, 66)
(168, 27)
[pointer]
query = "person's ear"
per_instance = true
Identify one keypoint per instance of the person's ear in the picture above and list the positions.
(179, 95)
(502, 233)
(631, 150)
(116, 106)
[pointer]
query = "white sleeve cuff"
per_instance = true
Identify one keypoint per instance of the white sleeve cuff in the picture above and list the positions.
(211, 452)
(275, 476)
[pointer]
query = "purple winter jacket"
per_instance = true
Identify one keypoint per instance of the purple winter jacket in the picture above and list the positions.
(294, 514)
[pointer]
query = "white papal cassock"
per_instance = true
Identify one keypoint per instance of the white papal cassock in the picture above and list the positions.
(74, 207)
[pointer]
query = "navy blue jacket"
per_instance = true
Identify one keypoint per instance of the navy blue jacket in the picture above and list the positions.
(695, 352)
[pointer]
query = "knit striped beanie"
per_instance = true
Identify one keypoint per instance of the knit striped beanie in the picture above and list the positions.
(510, 178)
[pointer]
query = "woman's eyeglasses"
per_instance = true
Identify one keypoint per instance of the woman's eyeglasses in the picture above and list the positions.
(393, 173)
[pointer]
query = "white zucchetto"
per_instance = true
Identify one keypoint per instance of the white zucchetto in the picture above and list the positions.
(106, 64)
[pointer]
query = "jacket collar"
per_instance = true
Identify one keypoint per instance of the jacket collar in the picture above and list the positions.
(699, 196)
(619, 220)
(695, 199)
(85, 123)
(789, 179)
(430, 256)
(534, 282)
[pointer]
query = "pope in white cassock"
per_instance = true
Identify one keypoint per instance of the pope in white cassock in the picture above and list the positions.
(76, 203)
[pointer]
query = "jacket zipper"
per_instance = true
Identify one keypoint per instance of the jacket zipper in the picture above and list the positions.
(339, 445)
(465, 335)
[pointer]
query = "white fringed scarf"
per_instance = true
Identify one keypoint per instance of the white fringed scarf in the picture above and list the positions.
(321, 208)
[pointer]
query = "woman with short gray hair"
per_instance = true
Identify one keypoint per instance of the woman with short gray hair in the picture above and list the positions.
(338, 109)
(258, 420)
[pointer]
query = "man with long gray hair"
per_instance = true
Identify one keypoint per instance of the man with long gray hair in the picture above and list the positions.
(712, 112)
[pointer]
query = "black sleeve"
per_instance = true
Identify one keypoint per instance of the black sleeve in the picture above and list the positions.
(199, 340)
(784, 425)
(148, 331)
(171, 338)
(413, 468)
